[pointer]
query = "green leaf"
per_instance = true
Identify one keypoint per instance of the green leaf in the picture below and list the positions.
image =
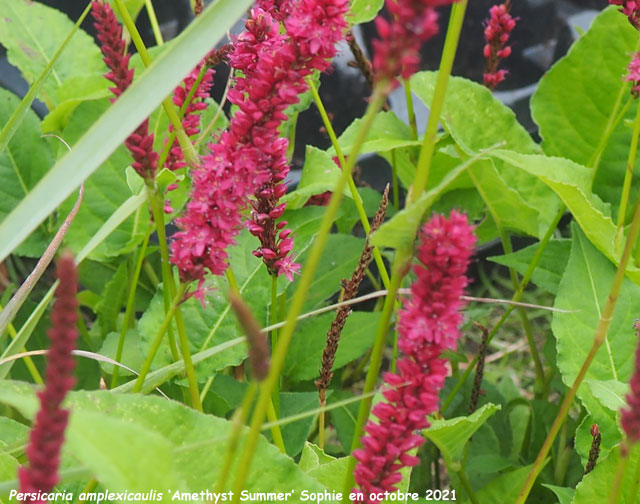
(573, 119)
(504, 488)
(363, 11)
(491, 123)
(32, 33)
(305, 352)
(610, 393)
(550, 268)
(344, 418)
(572, 183)
(319, 174)
(111, 300)
(386, 133)
(12, 431)
(338, 261)
(400, 231)
(596, 486)
(313, 457)
(24, 162)
(451, 435)
(119, 121)
(296, 433)
(584, 290)
(180, 449)
(564, 495)
(131, 355)
(105, 191)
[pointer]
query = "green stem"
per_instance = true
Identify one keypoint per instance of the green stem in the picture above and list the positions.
(467, 486)
(410, 110)
(28, 361)
(168, 287)
(437, 104)
(352, 186)
(237, 422)
(599, 338)
(190, 154)
(155, 27)
(131, 302)
(273, 316)
(633, 492)
(157, 341)
(516, 297)
(300, 294)
(275, 430)
(394, 181)
(167, 278)
(399, 269)
(628, 176)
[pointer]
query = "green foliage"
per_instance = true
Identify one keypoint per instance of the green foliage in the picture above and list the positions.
(364, 10)
(574, 119)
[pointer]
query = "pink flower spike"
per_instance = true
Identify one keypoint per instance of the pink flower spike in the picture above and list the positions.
(397, 52)
(47, 434)
(428, 324)
(634, 75)
(496, 33)
(630, 416)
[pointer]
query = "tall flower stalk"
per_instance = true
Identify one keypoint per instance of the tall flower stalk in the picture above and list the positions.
(428, 324)
(47, 434)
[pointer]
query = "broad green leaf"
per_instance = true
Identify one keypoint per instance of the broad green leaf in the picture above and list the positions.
(32, 33)
(24, 162)
(387, 133)
(363, 11)
(119, 121)
(305, 352)
(491, 124)
(319, 174)
(132, 357)
(504, 203)
(344, 418)
(451, 435)
(105, 191)
(610, 393)
(332, 475)
(504, 488)
(564, 495)
(180, 448)
(609, 429)
(573, 119)
(12, 431)
(296, 433)
(401, 229)
(584, 290)
(550, 268)
(337, 263)
(596, 486)
(112, 299)
(572, 183)
(313, 457)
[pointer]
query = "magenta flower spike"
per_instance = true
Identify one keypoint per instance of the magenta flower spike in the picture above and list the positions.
(397, 52)
(630, 416)
(47, 434)
(496, 33)
(634, 75)
(113, 47)
(250, 157)
(631, 9)
(428, 324)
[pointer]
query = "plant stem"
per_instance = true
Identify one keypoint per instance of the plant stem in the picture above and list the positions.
(516, 297)
(628, 176)
(28, 361)
(304, 284)
(437, 104)
(394, 181)
(153, 20)
(190, 154)
(167, 279)
(467, 486)
(352, 186)
(600, 336)
(275, 430)
(273, 316)
(238, 420)
(131, 301)
(158, 340)
(399, 269)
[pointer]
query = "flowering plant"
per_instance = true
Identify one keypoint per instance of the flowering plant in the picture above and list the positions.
(246, 312)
